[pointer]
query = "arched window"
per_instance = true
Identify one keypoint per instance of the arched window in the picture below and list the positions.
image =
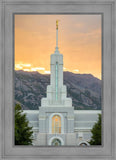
(83, 144)
(56, 142)
(56, 124)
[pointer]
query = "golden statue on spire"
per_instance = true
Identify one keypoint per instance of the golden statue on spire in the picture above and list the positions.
(56, 24)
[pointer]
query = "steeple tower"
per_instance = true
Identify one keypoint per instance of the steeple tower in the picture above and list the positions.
(56, 91)
(56, 104)
(57, 70)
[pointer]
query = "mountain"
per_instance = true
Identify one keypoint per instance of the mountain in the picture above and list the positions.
(84, 89)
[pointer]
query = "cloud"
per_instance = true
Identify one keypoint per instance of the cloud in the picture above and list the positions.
(37, 69)
(47, 72)
(18, 66)
(26, 65)
(22, 65)
(26, 70)
(75, 70)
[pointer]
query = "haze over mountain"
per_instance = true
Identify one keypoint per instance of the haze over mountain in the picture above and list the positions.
(84, 89)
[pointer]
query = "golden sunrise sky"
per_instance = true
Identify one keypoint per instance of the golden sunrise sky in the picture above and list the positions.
(79, 40)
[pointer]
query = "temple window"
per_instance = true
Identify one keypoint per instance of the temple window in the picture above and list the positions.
(56, 124)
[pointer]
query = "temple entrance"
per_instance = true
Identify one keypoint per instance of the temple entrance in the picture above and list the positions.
(56, 142)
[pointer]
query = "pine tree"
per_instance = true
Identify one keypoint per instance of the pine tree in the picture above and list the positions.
(96, 133)
(23, 133)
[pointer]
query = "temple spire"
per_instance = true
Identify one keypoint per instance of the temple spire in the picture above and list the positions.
(56, 50)
(56, 33)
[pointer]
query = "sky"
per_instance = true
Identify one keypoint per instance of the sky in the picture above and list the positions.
(79, 40)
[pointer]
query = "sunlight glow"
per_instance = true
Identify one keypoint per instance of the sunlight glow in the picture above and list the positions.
(75, 70)
(31, 68)
(26, 70)
(79, 40)
(47, 72)
(42, 70)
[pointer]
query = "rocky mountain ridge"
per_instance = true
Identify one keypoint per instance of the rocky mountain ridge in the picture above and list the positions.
(84, 89)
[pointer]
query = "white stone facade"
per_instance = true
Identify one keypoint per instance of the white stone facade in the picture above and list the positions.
(81, 129)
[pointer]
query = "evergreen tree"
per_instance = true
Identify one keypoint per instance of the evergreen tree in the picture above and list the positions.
(23, 133)
(96, 133)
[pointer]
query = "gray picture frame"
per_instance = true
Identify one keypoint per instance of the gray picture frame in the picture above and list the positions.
(10, 7)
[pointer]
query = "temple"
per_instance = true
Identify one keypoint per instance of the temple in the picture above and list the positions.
(56, 122)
